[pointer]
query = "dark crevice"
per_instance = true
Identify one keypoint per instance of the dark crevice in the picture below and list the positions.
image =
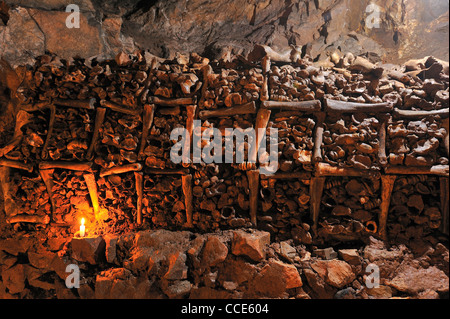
(143, 6)
(284, 18)
(252, 20)
(4, 12)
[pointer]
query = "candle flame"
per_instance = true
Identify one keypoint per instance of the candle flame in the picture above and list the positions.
(82, 221)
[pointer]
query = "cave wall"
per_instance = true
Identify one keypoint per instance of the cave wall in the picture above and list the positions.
(407, 29)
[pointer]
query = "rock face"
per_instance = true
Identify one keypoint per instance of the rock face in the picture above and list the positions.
(389, 30)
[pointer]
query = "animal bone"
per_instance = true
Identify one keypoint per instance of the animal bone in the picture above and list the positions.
(186, 181)
(15, 164)
(139, 185)
(24, 218)
(352, 107)
(171, 102)
(121, 169)
(248, 108)
(149, 110)
(305, 106)
(92, 187)
(84, 104)
(259, 51)
(253, 184)
(119, 108)
(407, 114)
(75, 166)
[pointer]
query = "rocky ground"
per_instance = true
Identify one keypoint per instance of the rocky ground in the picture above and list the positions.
(225, 264)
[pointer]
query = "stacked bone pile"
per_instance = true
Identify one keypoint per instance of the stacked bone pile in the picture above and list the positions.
(69, 108)
(158, 142)
(416, 142)
(34, 126)
(58, 100)
(221, 197)
(231, 152)
(285, 209)
(30, 200)
(227, 87)
(163, 201)
(118, 194)
(415, 211)
(350, 207)
(118, 141)
(295, 140)
(349, 141)
(305, 82)
(71, 135)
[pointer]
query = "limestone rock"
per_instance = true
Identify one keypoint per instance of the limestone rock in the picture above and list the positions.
(177, 267)
(14, 278)
(347, 293)
(336, 273)
(326, 253)
(111, 247)
(287, 251)
(214, 252)
(238, 271)
(413, 280)
(320, 289)
(274, 279)
(119, 283)
(178, 290)
(68, 42)
(14, 246)
(21, 40)
(40, 259)
(251, 244)
(380, 292)
(350, 255)
(88, 249)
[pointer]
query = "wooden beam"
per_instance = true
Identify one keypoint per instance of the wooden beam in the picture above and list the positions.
(442, 170)
(303, 106)
(315, 193)
(409, 114)
(387, 185)
(354, 107)
(75, 166)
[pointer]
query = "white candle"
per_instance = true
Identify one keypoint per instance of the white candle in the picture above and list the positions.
(82, 228)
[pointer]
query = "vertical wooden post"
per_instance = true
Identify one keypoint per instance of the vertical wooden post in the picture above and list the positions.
(99, 118)
(264, 96)
(149, 111)
(253, 185)
(262, 119)
(190, 110)
(93, 193)
(382, 159)
(44, 154)
(445, 124)
(387, 184)
(139, 185)
(318, 137)
(46, 175)
(186, 184)
(315, 192)
(444, 188)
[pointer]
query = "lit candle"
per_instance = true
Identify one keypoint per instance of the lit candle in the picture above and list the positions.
(82, 228)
